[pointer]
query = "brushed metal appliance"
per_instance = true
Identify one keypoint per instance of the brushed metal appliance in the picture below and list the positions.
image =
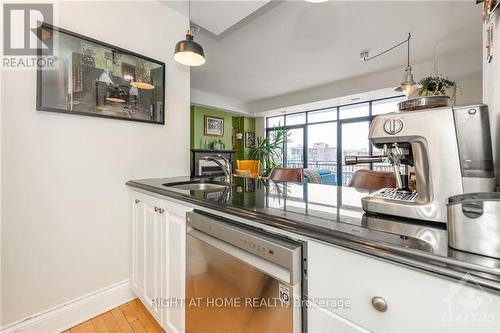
(474, 223)
(449, 149)
(240, 279)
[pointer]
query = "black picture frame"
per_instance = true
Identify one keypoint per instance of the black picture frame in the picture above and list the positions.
(39, 90)
(249, 139)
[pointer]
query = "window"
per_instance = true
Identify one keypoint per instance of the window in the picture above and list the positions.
(322, 115)
(354, 111)
(322, 148)
(321, 139)
(386, 105)
(354, 142)
(295, 148)
(278, 161)
(295, 119)
(275, 121)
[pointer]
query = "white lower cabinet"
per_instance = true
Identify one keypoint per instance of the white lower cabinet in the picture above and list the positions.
(158, 258)
(350, 290)
(359, 287)
(320, 320)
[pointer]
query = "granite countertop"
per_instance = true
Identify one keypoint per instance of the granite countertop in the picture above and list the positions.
(333, 214)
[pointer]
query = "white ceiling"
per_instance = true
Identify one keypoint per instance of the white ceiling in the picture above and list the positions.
(216, 16)
(290, 46)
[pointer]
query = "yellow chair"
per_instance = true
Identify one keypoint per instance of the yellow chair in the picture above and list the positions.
(251, 165)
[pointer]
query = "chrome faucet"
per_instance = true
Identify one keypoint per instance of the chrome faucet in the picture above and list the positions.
(226, 166)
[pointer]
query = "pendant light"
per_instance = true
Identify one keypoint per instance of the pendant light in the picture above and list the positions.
(188, 52)
(408, 86)
(239, 135)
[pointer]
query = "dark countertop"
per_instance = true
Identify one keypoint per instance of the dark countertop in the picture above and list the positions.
(333, 214)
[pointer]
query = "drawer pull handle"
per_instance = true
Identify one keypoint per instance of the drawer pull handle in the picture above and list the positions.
(379, 304)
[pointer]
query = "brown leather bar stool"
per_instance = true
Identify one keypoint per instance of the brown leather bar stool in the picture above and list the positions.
(287, 175)
(373, 180)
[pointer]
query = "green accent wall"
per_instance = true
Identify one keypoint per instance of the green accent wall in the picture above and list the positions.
(241, 124)
(198, 136)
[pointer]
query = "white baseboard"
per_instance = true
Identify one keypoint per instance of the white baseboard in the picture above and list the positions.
(69, 314)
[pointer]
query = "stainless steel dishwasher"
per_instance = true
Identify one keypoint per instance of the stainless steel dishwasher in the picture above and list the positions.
(240, 279)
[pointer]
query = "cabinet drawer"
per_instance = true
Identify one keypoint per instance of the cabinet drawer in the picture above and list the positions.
(416, 300)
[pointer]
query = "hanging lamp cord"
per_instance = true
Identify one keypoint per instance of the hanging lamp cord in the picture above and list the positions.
(407, 40)
(189, 18)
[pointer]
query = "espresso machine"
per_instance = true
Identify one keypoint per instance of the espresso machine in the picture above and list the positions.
(449, 149)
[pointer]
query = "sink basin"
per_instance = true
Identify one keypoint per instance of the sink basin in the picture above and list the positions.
(196, 186)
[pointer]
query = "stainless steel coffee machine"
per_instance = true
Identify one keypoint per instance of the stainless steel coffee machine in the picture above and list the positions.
(449, 150)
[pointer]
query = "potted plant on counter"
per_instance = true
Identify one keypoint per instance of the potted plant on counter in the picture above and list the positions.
(269, 150)
(437, 86)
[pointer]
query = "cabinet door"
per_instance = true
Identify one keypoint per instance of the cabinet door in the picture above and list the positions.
(136, 261)
(175, 247)
(153, 228)
(413, 300)
(323, 321)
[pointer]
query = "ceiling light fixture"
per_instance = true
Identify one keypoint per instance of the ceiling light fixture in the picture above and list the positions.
(408, 86)
(188, 52)
(316, 1)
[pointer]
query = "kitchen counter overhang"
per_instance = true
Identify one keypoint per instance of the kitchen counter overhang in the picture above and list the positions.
(333, 215)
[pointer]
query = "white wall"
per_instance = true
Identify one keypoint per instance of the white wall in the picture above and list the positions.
(470, 91)
(491, 89)
(260, 127)
(223, 103)
(65, 229)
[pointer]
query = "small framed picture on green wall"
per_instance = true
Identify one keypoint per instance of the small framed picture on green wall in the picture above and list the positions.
(249, 139)
(214, 126)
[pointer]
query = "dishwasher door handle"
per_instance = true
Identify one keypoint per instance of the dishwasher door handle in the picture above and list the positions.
(270, 268)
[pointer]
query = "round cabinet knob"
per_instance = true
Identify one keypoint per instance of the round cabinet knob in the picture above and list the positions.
(379, 304)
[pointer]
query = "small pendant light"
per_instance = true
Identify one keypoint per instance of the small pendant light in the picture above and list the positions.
(188, 52)
(409, 85)
(239, 135)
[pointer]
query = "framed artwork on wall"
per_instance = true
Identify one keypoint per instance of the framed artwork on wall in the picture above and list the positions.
(93, 78)
(249, 184)
(214, 126)
(249, 139)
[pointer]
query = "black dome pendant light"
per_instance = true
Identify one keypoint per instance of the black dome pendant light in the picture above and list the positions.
(188, 52)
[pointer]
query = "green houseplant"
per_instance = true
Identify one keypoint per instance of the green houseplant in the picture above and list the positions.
(269, 150)
(436, 86)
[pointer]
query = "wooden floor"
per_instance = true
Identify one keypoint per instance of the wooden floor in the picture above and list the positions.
(131, 317)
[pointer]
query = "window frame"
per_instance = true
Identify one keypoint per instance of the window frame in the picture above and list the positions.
(339, 122)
